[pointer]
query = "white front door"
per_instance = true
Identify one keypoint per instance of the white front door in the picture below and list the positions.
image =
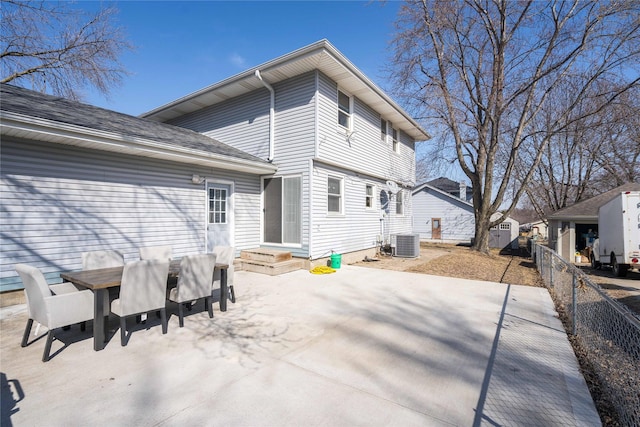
(219, 215)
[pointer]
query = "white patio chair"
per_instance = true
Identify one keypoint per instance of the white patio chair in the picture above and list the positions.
(225, 255)
(156, 252)
(53, 311)
(194, 282)
(101, 259)
(143, 289)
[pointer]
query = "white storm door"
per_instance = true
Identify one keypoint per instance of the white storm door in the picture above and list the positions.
(219, 215)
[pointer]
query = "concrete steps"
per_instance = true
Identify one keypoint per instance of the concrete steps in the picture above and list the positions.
(269, 261)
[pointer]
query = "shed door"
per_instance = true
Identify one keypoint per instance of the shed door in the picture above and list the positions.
(500, 236)
(436, 228)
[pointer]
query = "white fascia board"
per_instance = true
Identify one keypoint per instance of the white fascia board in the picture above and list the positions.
(64, 133)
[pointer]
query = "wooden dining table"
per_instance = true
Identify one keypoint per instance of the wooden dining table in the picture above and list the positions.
(101, 280)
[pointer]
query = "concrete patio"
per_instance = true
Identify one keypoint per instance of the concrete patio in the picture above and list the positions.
(358, 347)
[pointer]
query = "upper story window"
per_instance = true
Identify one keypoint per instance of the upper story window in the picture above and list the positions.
(334, 195)
(368, 196)
(396, 144)
(383, 130)
(399, 203)
(344, 110)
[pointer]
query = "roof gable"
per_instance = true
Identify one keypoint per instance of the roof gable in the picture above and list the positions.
(317, 56)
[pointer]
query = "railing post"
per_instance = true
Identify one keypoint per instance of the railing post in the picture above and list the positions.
(574, 303)
(550, 270)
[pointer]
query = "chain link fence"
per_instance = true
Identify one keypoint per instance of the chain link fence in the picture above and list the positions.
(606, 331)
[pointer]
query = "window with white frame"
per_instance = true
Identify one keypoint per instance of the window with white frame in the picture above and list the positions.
(334, 195)
(394, 137)
(344, 110)
(399, 203)
(217, 206)
(368, 196)
(383, 130)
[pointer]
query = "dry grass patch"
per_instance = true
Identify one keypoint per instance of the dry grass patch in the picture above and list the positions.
(459, 261)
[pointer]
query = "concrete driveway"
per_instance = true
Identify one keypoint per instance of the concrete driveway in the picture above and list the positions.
(358, 347)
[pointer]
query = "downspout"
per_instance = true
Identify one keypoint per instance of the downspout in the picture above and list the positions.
(271, 114)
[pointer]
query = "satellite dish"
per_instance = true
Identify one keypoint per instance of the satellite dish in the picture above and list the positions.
(392, 187)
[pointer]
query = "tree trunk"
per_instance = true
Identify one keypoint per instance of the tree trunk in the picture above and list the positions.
(481, 240)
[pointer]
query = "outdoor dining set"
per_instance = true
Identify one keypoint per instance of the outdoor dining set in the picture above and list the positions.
(106, 284)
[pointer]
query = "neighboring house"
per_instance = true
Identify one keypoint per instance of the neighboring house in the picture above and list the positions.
(340, 144)
(457, 189)
(77, 178)
(569, 227)
(538, 230)
(441, 216)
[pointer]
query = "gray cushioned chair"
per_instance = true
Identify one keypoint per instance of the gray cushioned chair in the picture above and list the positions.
(194, 282)
(225, 255)
(143, 289)
(156, 252)
(67, 307)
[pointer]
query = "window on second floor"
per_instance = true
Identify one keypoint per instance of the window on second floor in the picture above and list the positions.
(383, 130)
(396, 144)
(399, 203)
(334, 195)
(368, 196)
(344, 110)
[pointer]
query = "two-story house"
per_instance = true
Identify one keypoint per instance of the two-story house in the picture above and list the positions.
(345, 152)
(303, 153)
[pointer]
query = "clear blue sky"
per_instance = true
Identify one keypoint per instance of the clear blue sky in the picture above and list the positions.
(183, 46)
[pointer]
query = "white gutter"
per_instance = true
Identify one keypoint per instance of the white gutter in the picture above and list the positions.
(272, 106)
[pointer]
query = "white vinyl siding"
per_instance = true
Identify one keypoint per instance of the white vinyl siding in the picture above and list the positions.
(363, 151)
(357, 228)
(241, 122)
(58, 201)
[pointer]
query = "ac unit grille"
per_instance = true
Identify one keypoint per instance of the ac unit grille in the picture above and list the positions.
(407, 245)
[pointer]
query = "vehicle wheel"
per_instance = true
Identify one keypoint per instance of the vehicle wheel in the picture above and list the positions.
(618, 270)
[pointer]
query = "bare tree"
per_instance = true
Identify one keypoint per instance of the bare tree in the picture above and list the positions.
(594, 154)
(488, 71)
(50, 47)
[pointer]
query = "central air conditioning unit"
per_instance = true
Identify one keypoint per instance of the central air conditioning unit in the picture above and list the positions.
(407, 245)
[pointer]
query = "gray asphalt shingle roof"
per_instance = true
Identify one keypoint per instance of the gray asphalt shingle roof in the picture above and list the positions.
(589, 207)
(35, 104)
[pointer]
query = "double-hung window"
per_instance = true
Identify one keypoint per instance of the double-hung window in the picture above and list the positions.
(344, 110)
(334, 195)
(368, 196)
(394, 137)
(399, 203)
